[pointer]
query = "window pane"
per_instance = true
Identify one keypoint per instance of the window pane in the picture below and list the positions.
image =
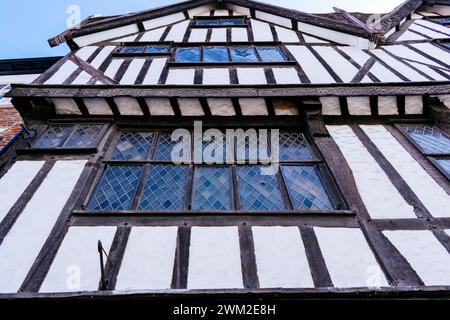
(293, 146)
(212, 188)
(445, 164)
(84, 136)
(157, 49)
(305, 188)
(429, 138)
(132, 50)
(133, 146)
(243, 54)
(214, 149)
(259, 192)
(165, 188)
(116, 189)
(166, 145)
(232, 22)
(53, 137)
(442, 20)
(207, 22)
(188, 55)
(271, 54)
(248, 148)
(215, 54)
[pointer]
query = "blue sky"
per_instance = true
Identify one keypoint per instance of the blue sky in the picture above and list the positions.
(27, 24)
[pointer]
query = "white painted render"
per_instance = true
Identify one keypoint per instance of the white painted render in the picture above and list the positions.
(349, 259)
(413, 105)
(359, 106)
(253, 106)
(83, 78)
(214, 258)
(159, 106)
(24, 241)
(149, 259)
(132, 72)
(424, 253)
(281, 21)
(312, 67)
(85, 52)
(280, 258)
(239, 34)
(128, 106)
(343, 68)
(286, 76)
(163, 21)
(251, 76)
(97, 106)
(190, 107)
(261, 31)
(101, 57)
(216, 76)
(106, 35)
(435, 26)
(76, 266)
(286, 35)
(387, 105)
(153, 35)
(181, 76)
(155, 70)
(65, 106)
(330, 106)
(63, 73)
(219, 35)
(221, 107)
(430, 193)
(198, 35)
(113, 67)
(177, 32)
(381, 198)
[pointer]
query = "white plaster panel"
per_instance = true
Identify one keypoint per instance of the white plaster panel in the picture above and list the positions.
(221, 12)
(430, 193)
(310, 39)
(286, 76)
(253, 106)
(76, 265)
(238, 9)
(349, 259)
(239, 34)
(163, 21)
(430, 33)
(343, 68)
(413, 105)
(407, 53)
(113, 67)
(408, 36)
(261, 31)
(65, 106)
(214, 259)
(433, 51)
(383, 73)
(85, 52)
(285, 22)
(312, 67)
(387, 105)
(200, 10)
(14, 183)
(251, 76)
(153, 35)
(131, 38)
(381, 198)
(24, 241)
(149, 259)
(128, 106)
(181, 76)
(216, 76)
(221, 107)
(101, 57)
(434, 26)
(159, 106)
(219, 35)
(105, 35)
(359, 56)
(198, 35)
(280, 258)
(82, 78)
(330, 106)
(177, 32)
(155, 70)
(424, 253)
(130, 75)
(97, 106)
(190, 107)
(286, 35)
(63, 73)
(359, 106)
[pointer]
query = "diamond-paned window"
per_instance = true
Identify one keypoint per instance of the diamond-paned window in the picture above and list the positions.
(84, 136)
(116, 189)
(53, 137)
(133, 146)
(444, 164)
(305, 188)
(293, 146)
(212, 188)
(429, 138)
(166, 146)
(69, 136)
(219, 22)
(165, 188)
(257, 191)
(271, 54)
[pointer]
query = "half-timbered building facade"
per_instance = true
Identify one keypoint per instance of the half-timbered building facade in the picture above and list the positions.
(358, 107)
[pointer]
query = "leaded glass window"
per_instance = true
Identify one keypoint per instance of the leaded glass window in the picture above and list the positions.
(147, 50)
(432, 142)
(243, 54)
(141, 175)
(272, 54)
(219, 22)
(215, 54)
(69, 136)
(188, 55)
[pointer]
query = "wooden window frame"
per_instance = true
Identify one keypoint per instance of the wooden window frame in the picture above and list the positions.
(117, 52)
(336, 199)
(193, 22)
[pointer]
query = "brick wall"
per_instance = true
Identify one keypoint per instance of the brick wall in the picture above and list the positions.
(10, 121)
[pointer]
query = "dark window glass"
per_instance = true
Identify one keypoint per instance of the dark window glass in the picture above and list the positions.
(165, 188)
(293, 146)
(232, 22)
(446, 44)
(250, 148)
(166, 145)
(84, 136)
(116, 189)
(271, 54)
(215, 54)
(214, 149)
(207, 22)
(53, 137)
(429, 138)
(133, 146)
(212, 188)
(445, 164)
(259, 192)
(187, 55)
(443, 21)
(157, 49)
(132, 50)
(305, 188)
(243, 54)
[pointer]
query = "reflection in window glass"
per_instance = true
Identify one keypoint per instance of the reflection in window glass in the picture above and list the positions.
(445, 164)
(212, 188)
(53, 137)
(133, 146)
(243, 54)
(84, 136)
(132, 50)
(187, 55)
(271, 54)
(157, 49)
(293, 146)
(165, 147)
(215, 54)
(429, 138)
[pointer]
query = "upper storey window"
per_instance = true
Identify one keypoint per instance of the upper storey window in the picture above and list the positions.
(207, 22)
(144, 50)
(236, 54)
(445, 21)
(68, 136)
